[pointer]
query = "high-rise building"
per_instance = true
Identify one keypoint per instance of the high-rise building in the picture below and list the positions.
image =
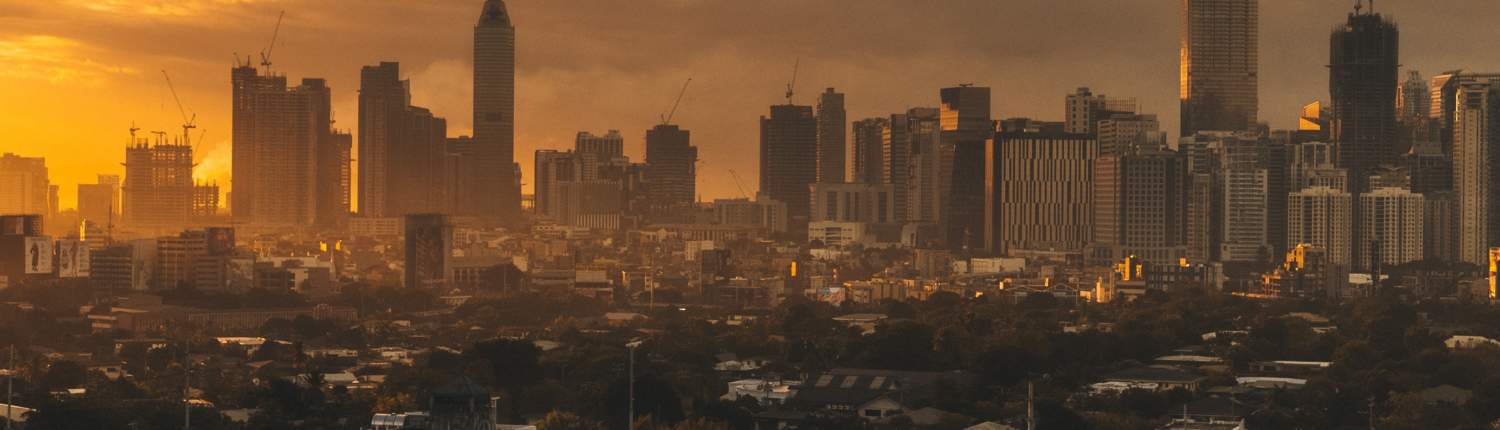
(1140, 206)
(789, 158)
(1126, 133)
(1476, 166)
(866, 164)
(903, 133)
(671, 168)
(1362, 75)
(335, 178)
(1085, 109)
(929, 183)
(967, 126)
(1394, 222)
(1219, 64)
(1322, 216)
(403, 149)
(832, 136)
(608, 146)
(1243, 166)
(23, 185)
(278, 131)
(1039, 191)
(852, 202)
(1413, 104)
(158, 185)
(429, 250)
(495, 190)
(1443, 96)
(1204, 214)
(99, 203)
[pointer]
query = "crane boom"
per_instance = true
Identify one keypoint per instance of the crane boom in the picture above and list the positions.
(737, 183)
(187, 123)
(265, 56)
(667, 119)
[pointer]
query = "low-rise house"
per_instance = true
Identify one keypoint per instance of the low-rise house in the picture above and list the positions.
(765, 392)
(1163, 378)
(871, 394)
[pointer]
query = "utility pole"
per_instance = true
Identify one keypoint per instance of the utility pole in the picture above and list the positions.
(632, 346)
(10, 377)
(1030, 409)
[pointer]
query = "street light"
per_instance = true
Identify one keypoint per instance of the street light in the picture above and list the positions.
(632, 346)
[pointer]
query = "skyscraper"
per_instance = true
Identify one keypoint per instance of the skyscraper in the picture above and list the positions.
(99, 202)
(671, 168)
(1393, 221)
(382, 102)
(1140, 205)
(335, 181)
(1362, 69)
(967, 125)
(277, 133)
(23, 185)
(1476, 166)
(832, 136)
(495, 192)
(1219, 49)
(903, 133)
(866, 157)
(789, 158)
(403, 148)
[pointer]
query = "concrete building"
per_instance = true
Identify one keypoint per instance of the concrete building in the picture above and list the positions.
(916, 127)
(789, 157)
(865, 155)
(1219, 63)
(23, 185)
(929, 183)
(967, 127)
(158, 191)
(608, 146)
(761, 213)
(335, 179)
(851, 202)
(833, 132)
(429, 250)
(99, 203)
(277, 133)
(404, 153)
(1124, 133)
(1085, 109)
(1323, 217)
(494, 191)
(1394, 222)
(1040, 190)
(671, 168)
(1140, 206)
(1440, 228)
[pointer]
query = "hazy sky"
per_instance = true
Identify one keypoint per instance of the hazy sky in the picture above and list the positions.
(74, 74)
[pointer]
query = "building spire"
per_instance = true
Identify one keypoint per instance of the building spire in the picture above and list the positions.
(494, 13)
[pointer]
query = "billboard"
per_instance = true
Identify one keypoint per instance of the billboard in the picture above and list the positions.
(38, 255)
(72, 258)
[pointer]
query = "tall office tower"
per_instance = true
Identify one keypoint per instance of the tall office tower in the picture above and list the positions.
(158, 185)
(904, 132)
(277, 133)
(1443, 96)
(671, 168)
(383, 98)
(429, 250)
(1039, 192)
(335, 178)
(1362, 75)
(1476, 167)
(1126, 133)
(23, 185)
(865, 163)
(608, 146)
(495, 190)
(404, 152)
(1322, 216)
(1140, 206)
(1394, 219)
(967, 126)
(929, 185)
(1245, 193)
(832, 136)
(1085, 109)
(99, 203)
(789, 158)
(1219, 49)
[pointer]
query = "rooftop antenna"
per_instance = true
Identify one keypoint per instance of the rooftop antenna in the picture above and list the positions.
(667, 119)
(793, 83)
(265, 56)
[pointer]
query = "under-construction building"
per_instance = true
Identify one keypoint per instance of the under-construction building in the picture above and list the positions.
(159, 192)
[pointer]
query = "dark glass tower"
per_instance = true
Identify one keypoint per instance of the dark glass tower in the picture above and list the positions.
(494, 193)
(1362, 80)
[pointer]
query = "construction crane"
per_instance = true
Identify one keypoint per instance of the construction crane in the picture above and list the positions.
(667, 118)
(737, 183)
(187, 123)
(133, 129)
(265, 56)
(793, 83)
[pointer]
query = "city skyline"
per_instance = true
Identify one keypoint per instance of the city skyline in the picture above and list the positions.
(114, 62)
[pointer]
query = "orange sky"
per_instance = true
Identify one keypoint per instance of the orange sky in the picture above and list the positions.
(76, 73)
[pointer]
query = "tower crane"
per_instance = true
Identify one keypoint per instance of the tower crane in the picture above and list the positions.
(187, 122)
(737, 183)
(265, 56)
(791, 85)
(667, 118)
